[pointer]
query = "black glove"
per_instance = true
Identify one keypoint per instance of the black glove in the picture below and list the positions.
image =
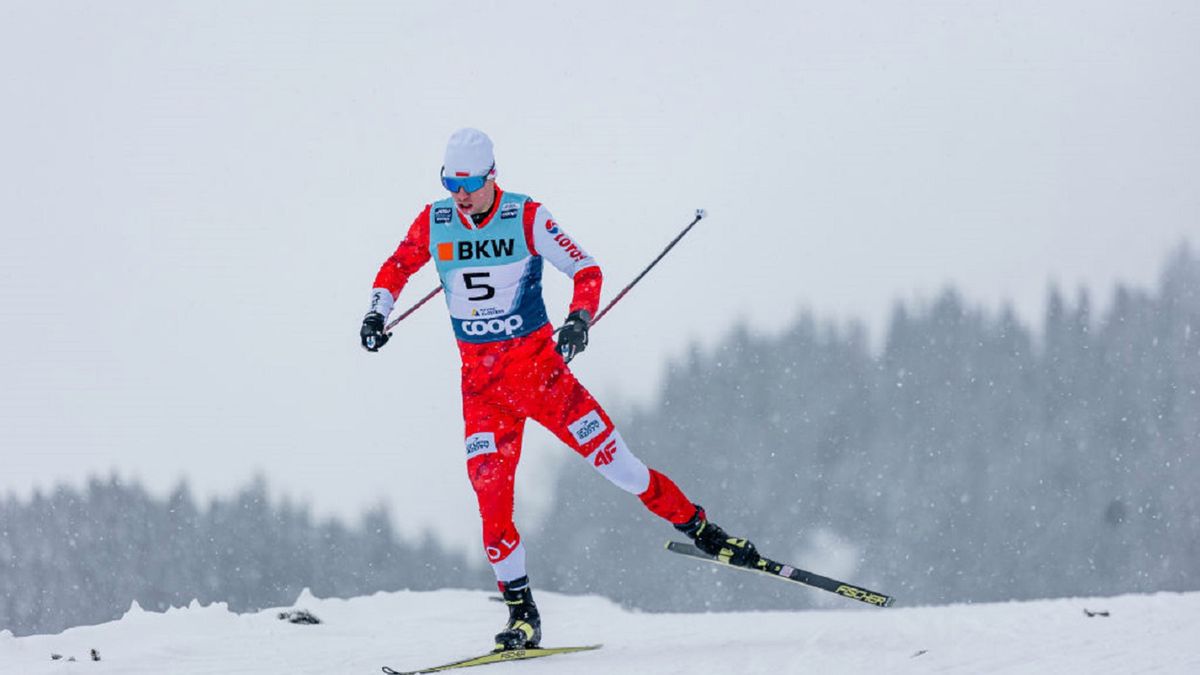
(572, 336)
(372, 334)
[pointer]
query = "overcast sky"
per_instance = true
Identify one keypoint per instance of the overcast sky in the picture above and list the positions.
(194, 199)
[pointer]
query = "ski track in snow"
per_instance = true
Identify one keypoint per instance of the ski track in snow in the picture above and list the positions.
(1157, 633)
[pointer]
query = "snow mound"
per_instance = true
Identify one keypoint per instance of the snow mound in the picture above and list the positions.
(408, 630)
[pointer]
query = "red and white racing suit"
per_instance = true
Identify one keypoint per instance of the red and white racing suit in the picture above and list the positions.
(511, 370)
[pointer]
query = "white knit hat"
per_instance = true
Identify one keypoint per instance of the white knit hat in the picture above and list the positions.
(469, 153)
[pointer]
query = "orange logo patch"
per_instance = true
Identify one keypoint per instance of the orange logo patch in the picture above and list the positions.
(446, 250)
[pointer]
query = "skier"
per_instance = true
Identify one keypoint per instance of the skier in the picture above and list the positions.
(489, 246)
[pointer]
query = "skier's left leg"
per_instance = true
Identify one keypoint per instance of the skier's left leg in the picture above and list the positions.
(570, 412)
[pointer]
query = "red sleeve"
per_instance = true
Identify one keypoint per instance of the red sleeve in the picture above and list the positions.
(527, 219)
(410, 256)
(587, 290)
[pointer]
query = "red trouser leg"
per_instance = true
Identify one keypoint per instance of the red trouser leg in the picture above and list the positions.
(566, 408)
(493, 440)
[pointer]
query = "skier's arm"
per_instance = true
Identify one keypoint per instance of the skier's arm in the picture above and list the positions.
(587, 290)
(547, 239)
(410, 256)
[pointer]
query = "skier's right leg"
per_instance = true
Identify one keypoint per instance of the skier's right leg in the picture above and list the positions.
(493, 440)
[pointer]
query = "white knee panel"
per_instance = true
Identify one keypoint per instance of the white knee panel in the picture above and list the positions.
(511, 567)
(614, 461)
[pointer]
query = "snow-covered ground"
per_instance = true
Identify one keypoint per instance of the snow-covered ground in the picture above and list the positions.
(1142, 633)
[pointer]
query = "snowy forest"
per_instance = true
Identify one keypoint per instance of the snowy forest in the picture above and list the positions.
(968, 458)
(970, 461)
(80, 557)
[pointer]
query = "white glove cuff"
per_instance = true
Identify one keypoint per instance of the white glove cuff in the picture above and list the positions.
(382, 301)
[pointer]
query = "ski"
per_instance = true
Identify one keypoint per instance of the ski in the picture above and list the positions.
(495, 657)
(788, 573)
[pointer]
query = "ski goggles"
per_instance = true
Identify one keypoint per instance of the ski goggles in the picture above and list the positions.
(468, 183)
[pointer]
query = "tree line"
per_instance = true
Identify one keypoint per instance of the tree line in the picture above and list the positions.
(971, 459)
(75, 557)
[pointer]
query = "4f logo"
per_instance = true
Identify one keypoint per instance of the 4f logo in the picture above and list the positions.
(604, 456)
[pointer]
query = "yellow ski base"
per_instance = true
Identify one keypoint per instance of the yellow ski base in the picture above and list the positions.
(496, 657)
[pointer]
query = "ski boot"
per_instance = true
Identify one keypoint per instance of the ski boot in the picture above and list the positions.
(524, 629)
(711, 539)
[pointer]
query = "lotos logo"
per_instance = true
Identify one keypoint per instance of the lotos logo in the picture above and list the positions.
(551, 226)
(480, 444)
(493, 326)
(572, 250)
(604, 456)
(587, 427)
(474, 250)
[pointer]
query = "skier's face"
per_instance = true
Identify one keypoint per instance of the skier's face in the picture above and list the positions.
(478, 201)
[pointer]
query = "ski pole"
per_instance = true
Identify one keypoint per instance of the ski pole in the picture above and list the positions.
(700, 213)
(410, 310)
